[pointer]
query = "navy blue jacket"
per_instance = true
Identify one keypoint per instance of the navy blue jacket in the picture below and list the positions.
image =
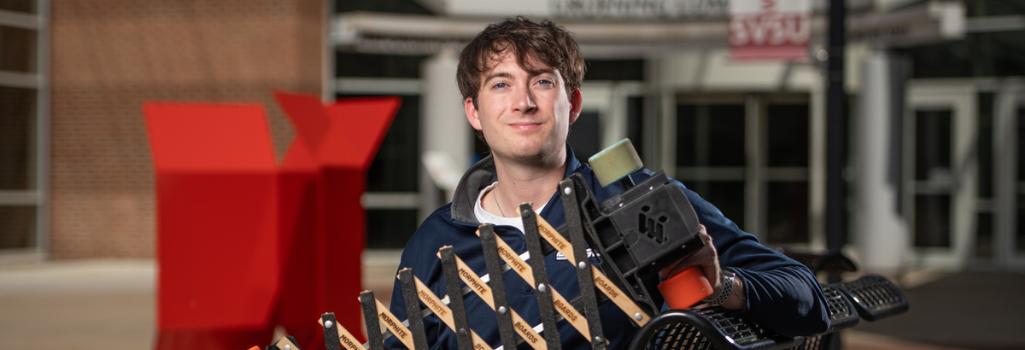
(781, 294)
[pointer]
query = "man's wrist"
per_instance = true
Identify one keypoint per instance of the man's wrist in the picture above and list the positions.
(726, 280)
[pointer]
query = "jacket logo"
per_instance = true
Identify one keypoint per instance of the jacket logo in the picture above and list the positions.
(590, 254)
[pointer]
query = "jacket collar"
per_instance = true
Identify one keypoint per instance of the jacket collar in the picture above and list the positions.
(482, 175)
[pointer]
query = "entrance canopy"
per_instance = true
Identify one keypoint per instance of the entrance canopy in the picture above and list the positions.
(382, 33)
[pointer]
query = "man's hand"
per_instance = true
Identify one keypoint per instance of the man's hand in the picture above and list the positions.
(707, 259)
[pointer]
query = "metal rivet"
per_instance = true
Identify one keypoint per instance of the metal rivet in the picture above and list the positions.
(650, 188)
(638, 316)
(582, 265)
(541, 287)
(288, 347)
(567, 190)
(502, 310)
(462, 331)
(597, 338)
(329, 324)
(620, 205)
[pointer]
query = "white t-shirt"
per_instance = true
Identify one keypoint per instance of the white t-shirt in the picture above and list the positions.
(485, 217)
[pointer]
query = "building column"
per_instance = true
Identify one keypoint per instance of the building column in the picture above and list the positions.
(446, 137)
(881, 232)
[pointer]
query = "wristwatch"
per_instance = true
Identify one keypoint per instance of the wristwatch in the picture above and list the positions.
(726, 276)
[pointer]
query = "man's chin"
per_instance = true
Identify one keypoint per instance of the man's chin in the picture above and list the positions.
(539, 157)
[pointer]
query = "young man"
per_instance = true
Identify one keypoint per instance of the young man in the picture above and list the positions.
(521, 86)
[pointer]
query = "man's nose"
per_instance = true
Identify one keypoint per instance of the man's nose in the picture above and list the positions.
(524, 101)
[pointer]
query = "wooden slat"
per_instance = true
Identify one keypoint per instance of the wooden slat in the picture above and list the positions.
(395, 326)
(444, 313)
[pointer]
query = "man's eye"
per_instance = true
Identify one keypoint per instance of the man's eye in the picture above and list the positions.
(501, 85)
(545, 83)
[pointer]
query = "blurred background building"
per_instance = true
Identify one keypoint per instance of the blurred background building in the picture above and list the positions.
(936, 161)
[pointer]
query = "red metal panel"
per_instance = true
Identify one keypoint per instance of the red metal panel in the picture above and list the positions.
(219, 271)
(297, 210)
(342, 149)
(358, 127)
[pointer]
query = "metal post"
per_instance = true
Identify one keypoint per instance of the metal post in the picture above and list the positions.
(836, 132)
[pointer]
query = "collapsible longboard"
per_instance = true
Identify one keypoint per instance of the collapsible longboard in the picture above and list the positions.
(635, 234)
(645, 228)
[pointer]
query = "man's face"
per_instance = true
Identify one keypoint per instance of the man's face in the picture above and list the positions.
(524, 116)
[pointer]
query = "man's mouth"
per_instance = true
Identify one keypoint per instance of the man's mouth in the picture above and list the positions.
(525, 126)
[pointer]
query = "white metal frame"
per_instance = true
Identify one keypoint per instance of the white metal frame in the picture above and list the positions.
(609, 100)
(39, 197)
(1010, 98)
(960, 99)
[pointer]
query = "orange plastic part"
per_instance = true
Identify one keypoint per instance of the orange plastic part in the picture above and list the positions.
(686, 288)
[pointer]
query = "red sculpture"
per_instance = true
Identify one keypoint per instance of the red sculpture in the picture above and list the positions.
(245, 245)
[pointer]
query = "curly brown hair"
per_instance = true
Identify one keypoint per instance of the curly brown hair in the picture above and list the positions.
(538, 47)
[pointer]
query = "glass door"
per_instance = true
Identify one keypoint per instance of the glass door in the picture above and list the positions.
(940, 138)
(748, 154)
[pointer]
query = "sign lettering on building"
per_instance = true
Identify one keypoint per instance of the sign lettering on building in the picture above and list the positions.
(638, 9)
(769, 29)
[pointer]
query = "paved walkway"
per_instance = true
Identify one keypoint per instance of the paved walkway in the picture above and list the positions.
(109, 305)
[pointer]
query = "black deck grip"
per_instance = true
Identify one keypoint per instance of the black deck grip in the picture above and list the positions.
(537, 265)
(583, 264)
(503, 312)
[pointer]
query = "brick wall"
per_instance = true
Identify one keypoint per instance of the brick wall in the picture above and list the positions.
(109, 56)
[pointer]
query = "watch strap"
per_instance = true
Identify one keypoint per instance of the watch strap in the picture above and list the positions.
(726, 276)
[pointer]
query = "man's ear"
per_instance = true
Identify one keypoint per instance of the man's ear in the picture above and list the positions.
(576, 104)
(471, 113)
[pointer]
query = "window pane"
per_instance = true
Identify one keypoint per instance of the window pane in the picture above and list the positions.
(710, 135)
(350, 64)
(932, 221)
(24, 6)
(728, 196)
(635, 123)
(788, 212)
(393, 6)
(788, 135)
(17, 138)
(727, 137)
(984, 236)
(17, 49)
(611, 69)
(391, 228)
(396, 165)
(17, 227)
(686, 126)
(985, 145)
(1019, 239)
(1021, 145)
(932, 144)
(584, 134)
